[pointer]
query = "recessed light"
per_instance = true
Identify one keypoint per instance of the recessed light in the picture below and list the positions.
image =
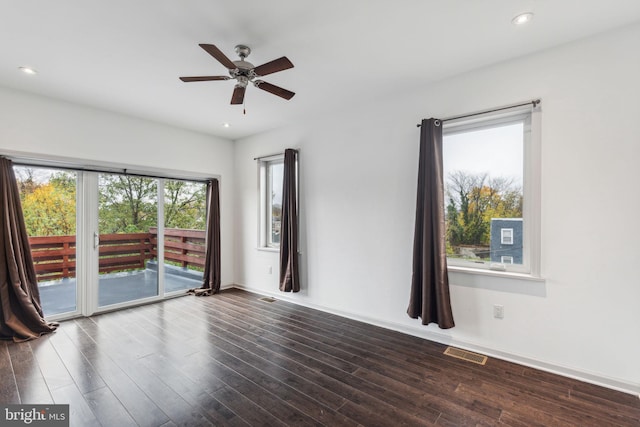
(226, 125)
(28, 70)
(522, 19)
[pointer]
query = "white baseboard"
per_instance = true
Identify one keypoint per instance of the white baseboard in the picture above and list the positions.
(588, 377)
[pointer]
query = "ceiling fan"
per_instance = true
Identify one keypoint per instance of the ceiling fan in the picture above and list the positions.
(245, 72)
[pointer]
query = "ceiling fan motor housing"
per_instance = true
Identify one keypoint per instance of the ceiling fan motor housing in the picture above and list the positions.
(244, 69)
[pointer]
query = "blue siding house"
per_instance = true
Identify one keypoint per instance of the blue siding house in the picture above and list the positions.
(506, 240)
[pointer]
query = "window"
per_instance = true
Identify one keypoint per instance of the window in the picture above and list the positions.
(506, 259)
(490, 173)
(271, 176)
(506, 236)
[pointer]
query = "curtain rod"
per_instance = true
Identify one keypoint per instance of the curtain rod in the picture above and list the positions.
(106, 170)
(272, 155)
(534, 103)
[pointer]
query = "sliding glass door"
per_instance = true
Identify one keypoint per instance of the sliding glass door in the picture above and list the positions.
(127, 214)
(102, 241)
(185, 216)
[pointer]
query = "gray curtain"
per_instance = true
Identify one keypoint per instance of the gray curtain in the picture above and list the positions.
(289, 275)
(21, 316)
(211, 280)
(430, 282)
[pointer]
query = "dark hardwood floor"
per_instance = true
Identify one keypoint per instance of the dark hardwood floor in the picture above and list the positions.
(233, 360)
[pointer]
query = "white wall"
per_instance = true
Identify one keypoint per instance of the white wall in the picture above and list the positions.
(39, 127)
(358, 177)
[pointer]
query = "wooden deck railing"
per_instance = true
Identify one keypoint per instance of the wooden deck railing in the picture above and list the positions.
(185, 247)
(124, 252)
(55, 256)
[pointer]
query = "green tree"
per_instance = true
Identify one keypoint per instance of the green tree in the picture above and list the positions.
(455, 224)
(50, 210)
(474, 199)
(185, 205)
(127, 204)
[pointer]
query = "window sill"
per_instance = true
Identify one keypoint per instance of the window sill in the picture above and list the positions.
(267, 249)
(501, 281)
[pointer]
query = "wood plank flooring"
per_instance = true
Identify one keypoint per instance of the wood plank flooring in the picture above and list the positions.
(233, 360)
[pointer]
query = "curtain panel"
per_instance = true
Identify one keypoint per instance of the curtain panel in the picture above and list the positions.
(429, 298)
(21, 316)
(212, 266)
(289, 272)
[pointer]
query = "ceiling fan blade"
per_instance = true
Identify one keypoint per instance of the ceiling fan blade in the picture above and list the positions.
(276, 90)
(217, 53)
(238, 95)
(273, 66)
(203, 78)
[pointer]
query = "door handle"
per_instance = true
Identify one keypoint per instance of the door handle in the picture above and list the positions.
(96, 240)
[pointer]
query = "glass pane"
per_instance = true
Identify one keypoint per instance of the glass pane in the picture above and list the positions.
(48, 198)
(185, 216)
(275, 177)
(127, 211)
(483, 174)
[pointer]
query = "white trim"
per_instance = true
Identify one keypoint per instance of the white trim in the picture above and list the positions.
(90, 254)
(422, 332)
(160, 236)
(532, 208)
(262, 205)
(264, 191)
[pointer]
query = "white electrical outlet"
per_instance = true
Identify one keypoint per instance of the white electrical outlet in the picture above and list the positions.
(270, 270)
(498, 311)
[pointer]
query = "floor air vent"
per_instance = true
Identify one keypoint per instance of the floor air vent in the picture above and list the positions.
(267, 299)
(466, 355)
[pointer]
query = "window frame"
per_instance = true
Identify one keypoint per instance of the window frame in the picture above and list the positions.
(265, 183)
(530, 117)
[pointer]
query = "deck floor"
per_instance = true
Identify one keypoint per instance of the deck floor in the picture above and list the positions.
(112, 289)
(234, 360)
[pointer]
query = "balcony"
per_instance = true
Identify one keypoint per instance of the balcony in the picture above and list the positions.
(128, 266)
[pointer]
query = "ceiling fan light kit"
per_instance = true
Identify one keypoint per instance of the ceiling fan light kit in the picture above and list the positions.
(244, 72)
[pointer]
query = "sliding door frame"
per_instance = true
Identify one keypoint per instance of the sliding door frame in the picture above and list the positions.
(87, 252)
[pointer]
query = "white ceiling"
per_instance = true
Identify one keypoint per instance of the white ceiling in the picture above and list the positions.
(126, 55)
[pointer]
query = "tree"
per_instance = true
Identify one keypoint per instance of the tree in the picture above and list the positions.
(185, 205)
(473, 200)
(50, 210)
(127, 204)
(26, 181)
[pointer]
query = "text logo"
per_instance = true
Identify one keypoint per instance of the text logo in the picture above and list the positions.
(34, 415)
